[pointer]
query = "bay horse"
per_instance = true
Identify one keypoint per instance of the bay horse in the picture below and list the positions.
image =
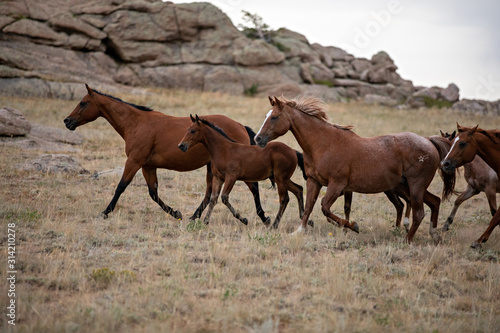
(480, 177)
(469, 142)
(336, 157)
(232, 161)
(151, 139)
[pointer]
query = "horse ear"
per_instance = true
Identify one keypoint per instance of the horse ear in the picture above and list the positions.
(271, 100)
(278, 102)
(459, 128)
(90, 91)
(442, 134)
(192, 119)
(197, 119)
(471, 133)
(453, 135)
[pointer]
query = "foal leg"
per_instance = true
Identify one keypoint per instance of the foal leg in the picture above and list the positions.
(216, 187)
(129, 172)
(208, 191)
(152, 181)
(284, 199)
(491, 194)
(225, 199)
(467, 194)
(254, 188)
(391, 195)
(312, 193)
(484, 237)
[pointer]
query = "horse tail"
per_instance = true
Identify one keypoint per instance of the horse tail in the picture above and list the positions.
(300, 158)
(251, 135)
(443, 146)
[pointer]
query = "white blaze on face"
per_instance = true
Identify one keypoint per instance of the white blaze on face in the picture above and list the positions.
(453, 145)
(267, 117)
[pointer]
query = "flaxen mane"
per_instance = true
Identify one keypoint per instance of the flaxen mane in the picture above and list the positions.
(314, 107)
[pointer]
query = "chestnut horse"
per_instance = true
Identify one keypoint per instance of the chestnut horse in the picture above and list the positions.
(472, 141)
(480, 178)
(151, 141)
(232, 161)
(335, 157)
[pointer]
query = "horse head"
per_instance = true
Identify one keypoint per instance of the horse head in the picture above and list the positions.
(193, 134)
(463, 149)
(276, 123)
(86, 111)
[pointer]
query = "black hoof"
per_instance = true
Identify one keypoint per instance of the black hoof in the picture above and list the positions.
(103, 215)
(355, 227)
(274, 226)
(475, 245)
(446, 227)
(310, 223)
(267, 222)
(177, 215)
(244, 221)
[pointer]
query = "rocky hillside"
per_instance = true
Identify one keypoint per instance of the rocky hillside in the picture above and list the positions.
(49, 48)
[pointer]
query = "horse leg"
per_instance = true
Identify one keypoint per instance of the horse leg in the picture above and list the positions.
(298, 192)
(417, 206)
(254, 188)
(284, 199)
(491, 194)
(332, 193)
(216, 188)
(433, 202)
(467, 194)
(484, 237)
(391, 195)
(206, 199)
(347, 204)
(312, 192)
(152, 181)
(225, 199)
(129, 172)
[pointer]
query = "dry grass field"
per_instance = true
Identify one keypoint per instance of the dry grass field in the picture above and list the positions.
(140, 270)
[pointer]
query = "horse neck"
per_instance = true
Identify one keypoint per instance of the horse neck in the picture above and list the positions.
(310, 132)
(488, 151)
(214, 142)
(120, 115)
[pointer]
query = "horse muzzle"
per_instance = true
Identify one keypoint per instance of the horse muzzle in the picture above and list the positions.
(261, 141)
(70, 123)
(184, 146)
(448, 166)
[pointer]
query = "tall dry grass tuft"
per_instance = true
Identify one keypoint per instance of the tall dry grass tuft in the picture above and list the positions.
(141, 270)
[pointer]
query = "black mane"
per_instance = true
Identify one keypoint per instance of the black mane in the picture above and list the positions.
(218, 129)
(140, 107)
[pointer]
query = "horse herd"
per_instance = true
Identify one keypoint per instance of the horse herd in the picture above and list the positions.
(401, 165)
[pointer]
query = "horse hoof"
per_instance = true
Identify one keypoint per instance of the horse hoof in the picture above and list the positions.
(206, 221)
(475, 245)
(178, 215)
(446, 227)
(355, 227)
(103, 216)
(244, 221)
(274, 226)
(310, 223)
(267, 222)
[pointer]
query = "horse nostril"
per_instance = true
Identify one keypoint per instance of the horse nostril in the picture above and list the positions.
(66, 121)
(258, 139)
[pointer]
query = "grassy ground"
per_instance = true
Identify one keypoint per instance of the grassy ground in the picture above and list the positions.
(141, 270)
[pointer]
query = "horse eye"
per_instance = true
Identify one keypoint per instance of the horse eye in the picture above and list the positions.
(83, 104)
(274, 118)
(193, 131)
(462, 144)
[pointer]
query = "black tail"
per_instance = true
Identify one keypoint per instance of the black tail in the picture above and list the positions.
(251, 135)
(300, 157)
(443, 145)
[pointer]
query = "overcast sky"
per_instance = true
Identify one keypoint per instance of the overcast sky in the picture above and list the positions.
(432, 42)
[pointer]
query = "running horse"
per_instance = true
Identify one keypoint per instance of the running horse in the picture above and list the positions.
(151, 139)
(336, 157)
(232, 161)
(472, 141)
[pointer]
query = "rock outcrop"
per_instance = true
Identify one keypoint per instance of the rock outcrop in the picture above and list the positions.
(49, 49)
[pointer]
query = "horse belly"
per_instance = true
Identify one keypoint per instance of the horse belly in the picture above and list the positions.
(175, 159)
(375, 180)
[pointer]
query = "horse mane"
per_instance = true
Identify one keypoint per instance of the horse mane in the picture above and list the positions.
(493, 134)
(140, 107)
(218, 129)
(313, 107)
